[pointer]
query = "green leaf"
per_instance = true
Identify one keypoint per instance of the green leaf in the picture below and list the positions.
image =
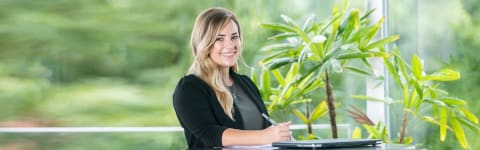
(384, 133)
(292, 73)
(309, 22)
(300, 101)
(304, 81)
(282, 36)
(453, 101)
(357, 133)
(314, 85)
(331, 39)
(435, 102)
(276, 73)
(430, 119)
(372, 131)
(408, 140)
(419, 92)
(406, 99)
(362, 55)
(393, 71)
(277, 55)
(277, 63)
(469, 115)
(355, 55)
(417, 66)
(362, 97)
(371, 33)
(319, 111)
(301, 116)
(473, 126)
(459, 133)
(356, 36)
(358, 70)
(381, 43)
(288, 92)
(443, 124)
(289, 20)
(314, 69)
(296, 28)
(318, 50)
(367, 14)
(284, 94)
(365, 61)
(402, 64)
(443, 75)
(278, 27)
(345, 5)
(351, 23)
(415, 101)
(324, 28)
(266, 86)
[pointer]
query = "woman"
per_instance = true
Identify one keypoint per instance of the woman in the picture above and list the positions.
(215, 105)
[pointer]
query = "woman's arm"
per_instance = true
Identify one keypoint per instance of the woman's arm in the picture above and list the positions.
(280, 132)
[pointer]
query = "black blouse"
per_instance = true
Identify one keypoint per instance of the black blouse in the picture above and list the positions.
(201, 115)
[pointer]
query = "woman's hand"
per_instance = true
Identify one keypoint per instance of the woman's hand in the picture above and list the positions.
(279, 132)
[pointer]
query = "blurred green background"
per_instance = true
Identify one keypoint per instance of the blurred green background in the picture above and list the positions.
(115, 63)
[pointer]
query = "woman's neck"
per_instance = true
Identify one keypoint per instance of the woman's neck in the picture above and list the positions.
(226, 77)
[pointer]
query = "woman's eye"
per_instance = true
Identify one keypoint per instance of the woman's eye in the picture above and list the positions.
(235, 37)
(219, 39)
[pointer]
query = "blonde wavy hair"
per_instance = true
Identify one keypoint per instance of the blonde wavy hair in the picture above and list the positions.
(205, 30)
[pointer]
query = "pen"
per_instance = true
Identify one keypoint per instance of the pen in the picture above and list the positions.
(274, 123)
(269, 119)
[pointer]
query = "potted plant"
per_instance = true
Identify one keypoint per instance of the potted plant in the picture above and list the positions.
(304, 57)
(420, 90)
(310, 54)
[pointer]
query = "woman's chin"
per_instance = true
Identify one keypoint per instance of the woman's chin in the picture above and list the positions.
(229, 62)
(227, 65)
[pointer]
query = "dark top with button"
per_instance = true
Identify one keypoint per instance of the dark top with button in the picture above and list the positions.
(201, 115)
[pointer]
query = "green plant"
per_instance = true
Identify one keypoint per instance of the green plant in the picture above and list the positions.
(290, 95)
(421, 90)
(378, 131)
(315, 51)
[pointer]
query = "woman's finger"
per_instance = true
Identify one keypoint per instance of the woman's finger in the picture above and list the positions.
(284, 123)
(285, 134)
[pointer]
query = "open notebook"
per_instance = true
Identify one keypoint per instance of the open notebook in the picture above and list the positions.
(327, 143)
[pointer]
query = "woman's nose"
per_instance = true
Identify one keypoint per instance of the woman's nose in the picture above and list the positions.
(229, 44)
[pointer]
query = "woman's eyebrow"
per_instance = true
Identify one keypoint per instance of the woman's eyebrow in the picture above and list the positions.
(224, 34)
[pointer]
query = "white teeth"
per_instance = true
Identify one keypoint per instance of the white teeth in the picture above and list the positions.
(228, 53)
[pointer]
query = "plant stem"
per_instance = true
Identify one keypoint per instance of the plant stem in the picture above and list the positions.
(331, 106)
(402, 128)
(309, 124)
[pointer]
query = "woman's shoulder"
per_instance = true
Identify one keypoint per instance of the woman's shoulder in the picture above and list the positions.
(190, 80)
(191, 91)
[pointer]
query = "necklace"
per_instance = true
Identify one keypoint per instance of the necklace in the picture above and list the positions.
(233, 92)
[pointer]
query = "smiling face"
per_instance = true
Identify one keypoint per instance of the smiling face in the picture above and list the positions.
(226, 49)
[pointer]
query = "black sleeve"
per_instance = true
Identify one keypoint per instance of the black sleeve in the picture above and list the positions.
(192, 103)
